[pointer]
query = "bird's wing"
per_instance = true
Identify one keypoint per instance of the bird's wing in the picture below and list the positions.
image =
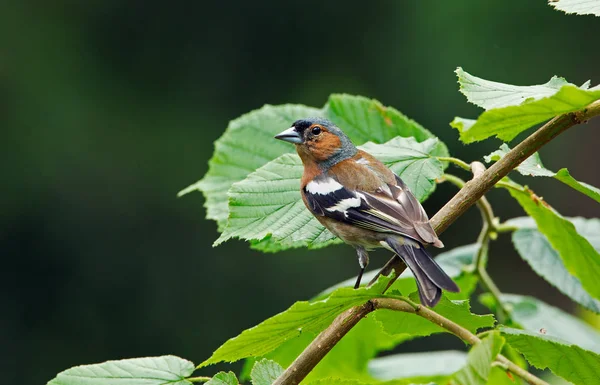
(392, 208)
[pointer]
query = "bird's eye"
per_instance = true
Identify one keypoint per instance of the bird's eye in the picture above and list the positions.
(316, 130)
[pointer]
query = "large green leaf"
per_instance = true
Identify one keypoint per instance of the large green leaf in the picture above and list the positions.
(267, 204)
(574, 364)
(265, 372)
(479, 360)
(301, 317)
(580, 7)
(534, 247)
(512, 109)
(534, 315)
(533, 166)
(578, 255)
(136, 371)
(488, 94)
(248, 142)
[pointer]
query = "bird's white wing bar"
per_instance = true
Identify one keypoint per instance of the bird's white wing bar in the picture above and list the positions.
(323, 186)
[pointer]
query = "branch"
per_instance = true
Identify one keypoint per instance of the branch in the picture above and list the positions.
(456, 207)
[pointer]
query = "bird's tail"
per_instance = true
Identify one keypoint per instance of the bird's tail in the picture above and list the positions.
(430, 277)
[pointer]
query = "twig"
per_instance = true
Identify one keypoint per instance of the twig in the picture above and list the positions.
(456, 207)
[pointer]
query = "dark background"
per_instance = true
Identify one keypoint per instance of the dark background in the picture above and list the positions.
(109, 108)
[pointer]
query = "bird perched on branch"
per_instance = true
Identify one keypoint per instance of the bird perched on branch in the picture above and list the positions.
(365, 204)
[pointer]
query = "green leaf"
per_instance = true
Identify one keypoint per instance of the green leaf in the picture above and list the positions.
(488, 94)
(533, 166)
(407, 325)
(536, 316)
(248, 142)
(135, 371)
(535, 248)
(574, 364)
(223, 378)
(428, 366)
(302, 317)
(578, 255)
(267, 204)
(513, 109)
(580, 7)
(479, 360)
(265, 372)
(564, 176)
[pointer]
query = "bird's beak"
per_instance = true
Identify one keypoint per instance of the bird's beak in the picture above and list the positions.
(290, 135)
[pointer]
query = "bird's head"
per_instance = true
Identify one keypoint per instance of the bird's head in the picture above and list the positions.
(319, 140)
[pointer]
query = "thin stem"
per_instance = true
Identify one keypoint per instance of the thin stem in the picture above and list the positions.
(489, 228)
(199, 379)
(460, 163)
(504, 228)
(454, 328)
(465, 198)
(510, 184)
(502, 312)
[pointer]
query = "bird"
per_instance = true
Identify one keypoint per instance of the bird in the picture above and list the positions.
(365, 204)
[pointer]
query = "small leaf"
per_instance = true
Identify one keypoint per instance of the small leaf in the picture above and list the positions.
(440, 364)
(534, 315)
(513, 109)
(533, 166)
(135, 371)
(223, 378)
(578, 255)
(580, 7)
(574, 364)
(302, 317)
(267, 204)
(537, 251)
(479, 360)
(265, 372)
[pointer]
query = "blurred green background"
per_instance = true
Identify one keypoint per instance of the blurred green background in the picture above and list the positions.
(109, 108)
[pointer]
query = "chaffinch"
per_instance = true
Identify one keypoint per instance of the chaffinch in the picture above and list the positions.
(365, 204)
